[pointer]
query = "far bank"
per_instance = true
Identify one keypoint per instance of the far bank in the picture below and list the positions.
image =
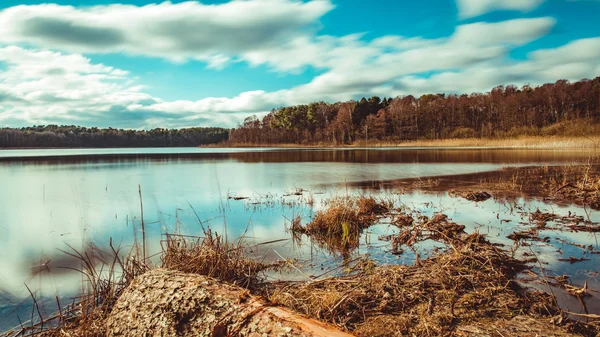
(529, 142)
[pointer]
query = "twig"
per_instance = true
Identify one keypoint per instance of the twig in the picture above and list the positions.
(291, 264)
(593, 316)
(36, 306)
(143, 228)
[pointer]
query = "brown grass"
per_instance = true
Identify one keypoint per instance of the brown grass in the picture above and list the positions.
(338, 227)
(577, 183)
(471, 281)
(104, 286)
(522, 142)
(533, 142)
(214, 256)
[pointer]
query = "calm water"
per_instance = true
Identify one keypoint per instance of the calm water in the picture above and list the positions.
(53, 198)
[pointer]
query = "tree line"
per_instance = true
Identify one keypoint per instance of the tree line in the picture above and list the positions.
(505, 111)
(76, 136)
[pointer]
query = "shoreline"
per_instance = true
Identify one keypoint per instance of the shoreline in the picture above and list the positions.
(529, 142)
(534, 142)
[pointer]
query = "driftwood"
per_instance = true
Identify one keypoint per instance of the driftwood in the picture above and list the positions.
(520, 326)
(169, 303)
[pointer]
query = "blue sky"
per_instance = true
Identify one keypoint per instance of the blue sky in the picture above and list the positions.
(143, 64)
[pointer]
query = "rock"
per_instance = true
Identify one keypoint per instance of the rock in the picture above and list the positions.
(169, 303)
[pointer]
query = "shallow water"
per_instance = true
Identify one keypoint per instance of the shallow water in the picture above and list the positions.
(54, 198)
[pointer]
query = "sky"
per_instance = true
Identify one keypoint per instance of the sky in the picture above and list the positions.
(143, 64)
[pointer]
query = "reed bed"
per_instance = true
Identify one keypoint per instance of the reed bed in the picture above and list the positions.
(470, 281)
(523, 142)
(576, 183)
(86, 315)
(520, 142)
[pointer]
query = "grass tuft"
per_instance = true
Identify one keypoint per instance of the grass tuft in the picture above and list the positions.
(338, 227)
(214, 256)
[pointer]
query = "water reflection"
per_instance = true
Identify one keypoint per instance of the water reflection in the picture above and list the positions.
(268, 155)
(80, 197)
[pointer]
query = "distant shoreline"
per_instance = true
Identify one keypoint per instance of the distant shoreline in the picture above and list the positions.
(532, 142)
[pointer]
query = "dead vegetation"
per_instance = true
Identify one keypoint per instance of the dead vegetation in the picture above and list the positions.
(338, 227)
(86, 316)
(576, 183)
(471, 281)
(436, 228)
(564, 282)
(540, 221)
(542, 218)
(457, 290)
(213, 256)
(470, 195)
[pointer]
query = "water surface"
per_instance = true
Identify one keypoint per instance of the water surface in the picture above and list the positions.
(81, 197)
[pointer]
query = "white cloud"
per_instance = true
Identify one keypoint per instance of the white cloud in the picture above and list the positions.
(45, 87)
(181, 31)
(473, 8)
(383, 78)
(574, 61)
(40, 87)
(460, 50)
(580, 50)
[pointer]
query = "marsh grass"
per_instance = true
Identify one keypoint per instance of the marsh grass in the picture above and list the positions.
(547, 141)
(575, 183)
(102, 284)
(213, 255)
(523, 142)
(339, 225)
(470, 281)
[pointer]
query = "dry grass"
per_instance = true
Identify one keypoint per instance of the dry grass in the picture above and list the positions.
(471, 281)
(214, 256)
(533, 142)
(470, 195)
(338, 227)
(523, 142)
(104, 285)
(578, 183)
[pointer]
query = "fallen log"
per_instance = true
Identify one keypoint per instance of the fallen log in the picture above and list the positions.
(169, 303)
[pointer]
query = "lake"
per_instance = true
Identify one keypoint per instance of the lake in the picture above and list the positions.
(54, 199)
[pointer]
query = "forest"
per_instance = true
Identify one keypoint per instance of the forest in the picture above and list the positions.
(506, 111)
(76, 136)
(561, 108)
